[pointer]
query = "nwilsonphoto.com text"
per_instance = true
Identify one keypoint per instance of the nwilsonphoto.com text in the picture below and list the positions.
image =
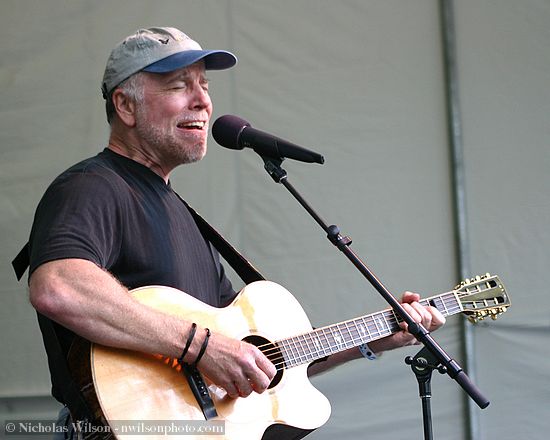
(117, 427)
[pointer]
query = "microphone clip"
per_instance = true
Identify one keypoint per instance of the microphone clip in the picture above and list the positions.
(273, 168)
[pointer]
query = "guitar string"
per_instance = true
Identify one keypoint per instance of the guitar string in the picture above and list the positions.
(275, 350)
(307, 339)
(276, 355)
(388, 315)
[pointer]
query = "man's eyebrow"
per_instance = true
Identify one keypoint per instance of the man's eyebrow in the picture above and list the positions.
(185, 76)
(182, 76)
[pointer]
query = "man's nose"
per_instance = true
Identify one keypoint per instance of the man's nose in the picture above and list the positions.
(200, 98)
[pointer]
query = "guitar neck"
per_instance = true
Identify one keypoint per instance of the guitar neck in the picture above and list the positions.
(306, 348)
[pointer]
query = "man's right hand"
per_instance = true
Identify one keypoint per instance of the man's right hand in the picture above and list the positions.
(236, 366)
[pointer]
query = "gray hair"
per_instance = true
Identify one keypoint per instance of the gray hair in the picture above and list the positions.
(132, 88)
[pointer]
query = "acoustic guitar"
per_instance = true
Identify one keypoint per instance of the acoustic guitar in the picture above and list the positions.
(128, 391)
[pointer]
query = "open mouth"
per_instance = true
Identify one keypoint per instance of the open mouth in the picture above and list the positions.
(192, 125)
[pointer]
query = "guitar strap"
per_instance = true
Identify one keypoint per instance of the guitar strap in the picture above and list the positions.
(66, 390)
(241, 265)
(248, 274)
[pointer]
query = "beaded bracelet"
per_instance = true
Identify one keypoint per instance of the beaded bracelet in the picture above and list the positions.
(203, 347)
(188, 343)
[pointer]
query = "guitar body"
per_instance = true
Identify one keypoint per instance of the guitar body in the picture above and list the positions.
(129, 385)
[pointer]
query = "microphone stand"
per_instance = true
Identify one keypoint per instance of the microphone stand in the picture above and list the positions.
(422, 365)
(438, 358)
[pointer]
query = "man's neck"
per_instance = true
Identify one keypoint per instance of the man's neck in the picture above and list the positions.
(134, 151)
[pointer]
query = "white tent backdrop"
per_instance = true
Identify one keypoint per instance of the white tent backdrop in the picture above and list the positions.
(361, 82)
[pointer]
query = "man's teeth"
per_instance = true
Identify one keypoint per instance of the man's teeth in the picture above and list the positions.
(194, 124)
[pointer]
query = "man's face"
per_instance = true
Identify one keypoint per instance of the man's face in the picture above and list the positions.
(172, 120)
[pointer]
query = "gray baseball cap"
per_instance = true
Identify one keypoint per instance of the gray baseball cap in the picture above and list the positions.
(160, 50)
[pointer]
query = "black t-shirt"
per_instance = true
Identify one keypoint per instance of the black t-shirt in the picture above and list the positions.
(123, 217)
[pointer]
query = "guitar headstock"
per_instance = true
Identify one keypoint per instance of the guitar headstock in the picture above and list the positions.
(482, 296)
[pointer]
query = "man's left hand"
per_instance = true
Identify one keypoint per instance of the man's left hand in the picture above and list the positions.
(428, 316)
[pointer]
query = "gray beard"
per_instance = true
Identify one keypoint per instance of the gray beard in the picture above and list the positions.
(170, 147)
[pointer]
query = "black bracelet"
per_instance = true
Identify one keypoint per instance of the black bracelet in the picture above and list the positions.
(203, 347)
(188, 343)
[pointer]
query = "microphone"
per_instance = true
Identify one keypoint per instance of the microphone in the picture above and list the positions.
(235, 133)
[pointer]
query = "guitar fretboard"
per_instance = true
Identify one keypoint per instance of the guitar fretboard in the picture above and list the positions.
(305, 348)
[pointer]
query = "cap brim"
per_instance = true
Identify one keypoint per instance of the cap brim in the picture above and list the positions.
(213, 60)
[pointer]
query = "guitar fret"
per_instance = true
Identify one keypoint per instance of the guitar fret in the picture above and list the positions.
(388, 328)
(313, 345)
(303, 352)
(447, 304)
(341, 342)
(302, 349)
(342, 331)
(456, 304)
(352, 339)
(349, 341)
(372, 326)
(299, 356)
(382, 324)
(337, 339)
(361, 330)
(291, 359)
(376, 322)
(284, 352)
(445, 308)
(307, 351)
(317, 342)
(294, 350)
(393, 326)
(327, 345)
(365, 321)
(299, 349)
(439, 304)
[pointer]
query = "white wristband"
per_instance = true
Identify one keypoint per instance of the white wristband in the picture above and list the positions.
(367, 352)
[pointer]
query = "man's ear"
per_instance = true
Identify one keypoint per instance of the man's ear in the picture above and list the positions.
(125, 108)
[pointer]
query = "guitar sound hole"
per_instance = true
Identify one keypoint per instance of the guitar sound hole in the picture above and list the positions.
(272, 352)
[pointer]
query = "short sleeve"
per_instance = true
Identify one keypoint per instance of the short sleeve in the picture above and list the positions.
(78, 217)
